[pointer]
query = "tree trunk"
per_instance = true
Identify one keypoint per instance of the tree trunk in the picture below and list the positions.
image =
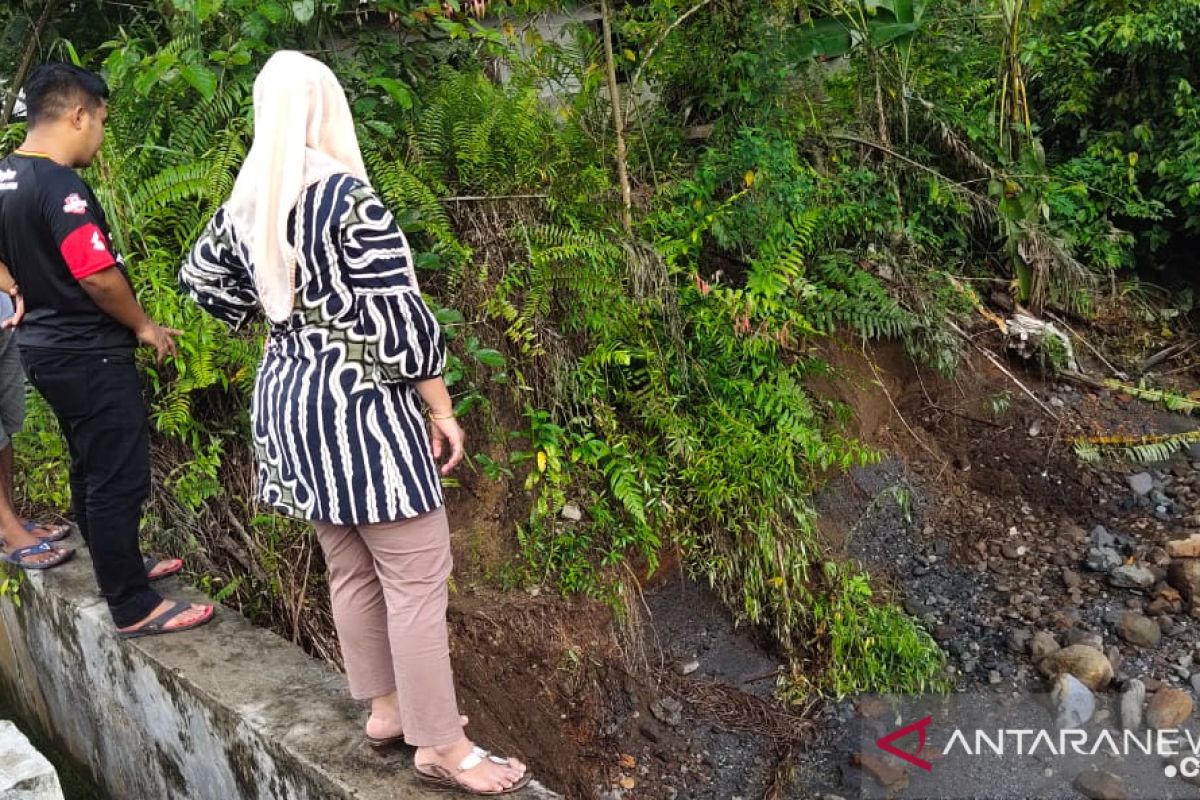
(614, 98)
(27, 56)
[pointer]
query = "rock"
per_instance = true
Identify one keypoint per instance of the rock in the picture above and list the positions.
(1100, 537)
(1131, 576)
(1185, 548)
(1141, 483)
(1042, 645)
(1086, 663)
(1012, 551)
(686, 667)
(27, 774)
(1074, 704)
(892, 778)
(1019, 639)
(1164, 591)
(944, 633)
(994, 677)
(667, 710)
(1139, 631)
(1103, 559)
(1152, 685)
(1098, 785)
(1077, 636)
(1184, 576)
(1165, 602)
(916, 608)
(1071, 532)
(1169, 708)
(572, 512)
(1132, 701)
(1071, 579)
(1158, 556)
(648, 733)
(1114, 657)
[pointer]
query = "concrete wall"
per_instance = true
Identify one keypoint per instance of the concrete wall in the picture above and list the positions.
(225, 712)
(25, 774)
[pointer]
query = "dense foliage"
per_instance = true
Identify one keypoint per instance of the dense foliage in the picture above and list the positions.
(798, 170)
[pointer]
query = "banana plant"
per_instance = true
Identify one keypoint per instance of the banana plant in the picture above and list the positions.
(851, 23)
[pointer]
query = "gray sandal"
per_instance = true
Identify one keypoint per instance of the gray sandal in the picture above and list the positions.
(437, 776)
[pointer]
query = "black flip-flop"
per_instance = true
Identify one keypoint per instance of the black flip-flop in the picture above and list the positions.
(157, 625)
(17, 557)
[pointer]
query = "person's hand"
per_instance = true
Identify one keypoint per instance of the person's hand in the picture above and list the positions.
(18, 308)
(446, 434)
(160, 338)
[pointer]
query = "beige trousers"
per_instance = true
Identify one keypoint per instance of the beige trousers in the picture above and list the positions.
(389, 588)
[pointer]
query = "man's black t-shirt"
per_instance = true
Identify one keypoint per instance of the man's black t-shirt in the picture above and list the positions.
(52, 235)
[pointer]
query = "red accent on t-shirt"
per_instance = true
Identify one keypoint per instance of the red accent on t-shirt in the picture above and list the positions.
(86, 251)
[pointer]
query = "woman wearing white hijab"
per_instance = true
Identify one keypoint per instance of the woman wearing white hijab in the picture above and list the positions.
(352, 354)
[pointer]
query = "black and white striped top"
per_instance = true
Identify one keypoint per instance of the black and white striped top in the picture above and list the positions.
(338, 429)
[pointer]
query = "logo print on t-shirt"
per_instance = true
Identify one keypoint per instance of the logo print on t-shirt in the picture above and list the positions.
(8, 180)
(98, 241)
(74, 204)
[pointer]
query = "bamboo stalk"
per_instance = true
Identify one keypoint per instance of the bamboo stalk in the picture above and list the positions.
(614, 98)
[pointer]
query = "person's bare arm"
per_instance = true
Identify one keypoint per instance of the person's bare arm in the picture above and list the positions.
(443, 427)
(9, 286)
(110, 291)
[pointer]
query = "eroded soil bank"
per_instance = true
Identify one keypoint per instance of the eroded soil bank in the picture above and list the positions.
(981, 521)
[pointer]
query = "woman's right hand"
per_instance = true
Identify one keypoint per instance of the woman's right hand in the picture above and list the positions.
(447, 434)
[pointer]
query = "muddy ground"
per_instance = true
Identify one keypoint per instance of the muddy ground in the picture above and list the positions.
(980, 521)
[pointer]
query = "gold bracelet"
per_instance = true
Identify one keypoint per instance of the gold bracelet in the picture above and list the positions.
(451, 415)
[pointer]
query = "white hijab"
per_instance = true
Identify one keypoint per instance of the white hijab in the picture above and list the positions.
(303, 133)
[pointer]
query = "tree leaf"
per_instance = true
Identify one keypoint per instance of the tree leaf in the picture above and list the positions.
(200, 78)
(395, 89)
(489, 357)
(303, 10)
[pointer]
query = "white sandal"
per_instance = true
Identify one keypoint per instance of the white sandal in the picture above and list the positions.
(442, 778)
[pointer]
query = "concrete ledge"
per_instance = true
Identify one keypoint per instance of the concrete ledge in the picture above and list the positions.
(25, 774)
(224, 712)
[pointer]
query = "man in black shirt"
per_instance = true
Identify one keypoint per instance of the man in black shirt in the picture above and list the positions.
(82, 323)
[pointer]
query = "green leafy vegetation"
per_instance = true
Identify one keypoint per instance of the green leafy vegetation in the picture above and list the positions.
(799, 171)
